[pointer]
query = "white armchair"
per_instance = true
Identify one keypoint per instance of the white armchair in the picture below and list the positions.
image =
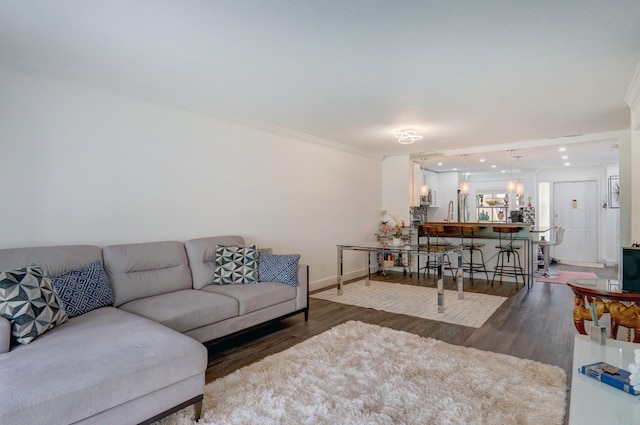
(545, 245)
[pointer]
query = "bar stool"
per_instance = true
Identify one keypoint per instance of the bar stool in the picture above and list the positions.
(471, 267)
(435, 240)
(507, 249)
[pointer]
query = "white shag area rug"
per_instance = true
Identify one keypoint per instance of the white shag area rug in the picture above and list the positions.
(358, 373)
(417, 301)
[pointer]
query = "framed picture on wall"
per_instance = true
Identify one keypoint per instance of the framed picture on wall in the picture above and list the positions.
(614, 191)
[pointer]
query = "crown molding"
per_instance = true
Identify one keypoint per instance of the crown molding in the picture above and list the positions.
(633, 94)
(612, 136)
(59, 72)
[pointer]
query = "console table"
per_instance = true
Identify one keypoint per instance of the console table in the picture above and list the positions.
(593, 402)
(437, 251)
(609, 297)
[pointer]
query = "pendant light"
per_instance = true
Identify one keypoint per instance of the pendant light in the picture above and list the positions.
(511, 182)
(519, 185)
(424, 187)
(464, 184)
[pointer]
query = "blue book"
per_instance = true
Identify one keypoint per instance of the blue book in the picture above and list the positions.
(610, 375)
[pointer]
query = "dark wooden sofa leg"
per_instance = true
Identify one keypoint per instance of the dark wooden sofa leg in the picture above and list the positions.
(197, 410)
(306, 314)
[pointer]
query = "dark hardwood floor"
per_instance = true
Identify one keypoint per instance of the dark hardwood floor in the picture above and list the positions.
(535, 324)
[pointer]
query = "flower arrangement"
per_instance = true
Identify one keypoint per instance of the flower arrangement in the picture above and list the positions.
(386, 228)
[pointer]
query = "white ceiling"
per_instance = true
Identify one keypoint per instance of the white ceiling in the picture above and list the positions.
(469, 76)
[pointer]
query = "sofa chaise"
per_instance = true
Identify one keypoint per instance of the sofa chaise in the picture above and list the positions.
(140, 357)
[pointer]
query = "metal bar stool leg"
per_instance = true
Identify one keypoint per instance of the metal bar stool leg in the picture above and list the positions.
(509, 269)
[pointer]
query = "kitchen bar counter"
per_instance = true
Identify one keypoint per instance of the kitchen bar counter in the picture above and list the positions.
(451, 229)
(486, 228)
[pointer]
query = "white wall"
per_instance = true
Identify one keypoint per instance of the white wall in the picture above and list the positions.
(630, 169)
(397, 186)
(87, 165)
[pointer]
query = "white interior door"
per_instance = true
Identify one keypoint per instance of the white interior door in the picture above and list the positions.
(575, 206)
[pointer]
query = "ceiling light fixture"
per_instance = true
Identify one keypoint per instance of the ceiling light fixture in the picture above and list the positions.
(407, 137)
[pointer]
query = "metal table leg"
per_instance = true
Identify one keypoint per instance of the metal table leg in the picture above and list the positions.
(460, 271)
(441, 283)
(340, 279)
(367, 280)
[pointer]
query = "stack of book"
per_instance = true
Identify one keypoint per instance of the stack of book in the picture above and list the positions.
(610, 375)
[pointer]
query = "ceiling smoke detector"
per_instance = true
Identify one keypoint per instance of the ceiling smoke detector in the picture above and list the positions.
(406, 137)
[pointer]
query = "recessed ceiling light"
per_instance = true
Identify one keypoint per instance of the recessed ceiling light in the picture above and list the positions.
(455, 169)
(406, 137)
(567, 163)
(564, 157)
(493, 166)
(439, 164)
(503, 171)
(562, 149)
(482, 159)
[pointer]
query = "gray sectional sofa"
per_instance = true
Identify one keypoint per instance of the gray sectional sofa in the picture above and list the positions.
(141, 358)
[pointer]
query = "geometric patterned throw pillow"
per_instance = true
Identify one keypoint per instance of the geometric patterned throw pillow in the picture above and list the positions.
(235, 264)
(29, 301)
(278, 268)
(84, 289)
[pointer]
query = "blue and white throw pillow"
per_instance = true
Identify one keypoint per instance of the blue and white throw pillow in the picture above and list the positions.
(235, 264)
(85, 289)
(278, 268)
(30, 303)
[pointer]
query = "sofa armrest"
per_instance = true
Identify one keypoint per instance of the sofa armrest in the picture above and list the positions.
(302, 298)
(303, 275)
(5, 335)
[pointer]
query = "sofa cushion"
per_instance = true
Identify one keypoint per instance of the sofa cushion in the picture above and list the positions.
(54, 260)
(142, 270)
(202, 256)
(84, 289)
(184, 310)
(278, 268)
(92, 363)
(255, 297)
(235, 264)
(29, 301)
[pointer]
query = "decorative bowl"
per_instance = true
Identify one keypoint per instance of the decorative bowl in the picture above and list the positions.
(492, 202)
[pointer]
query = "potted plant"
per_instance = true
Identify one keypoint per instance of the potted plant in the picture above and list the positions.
(397, 236)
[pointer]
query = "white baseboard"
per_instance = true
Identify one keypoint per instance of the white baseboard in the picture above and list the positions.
(324, 283)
